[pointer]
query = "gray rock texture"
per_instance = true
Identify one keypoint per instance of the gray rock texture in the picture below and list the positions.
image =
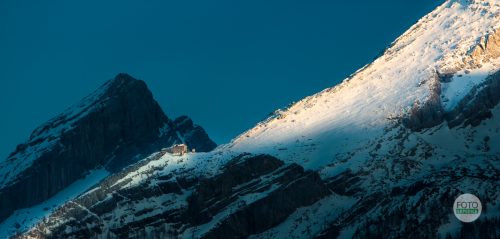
(113, 129)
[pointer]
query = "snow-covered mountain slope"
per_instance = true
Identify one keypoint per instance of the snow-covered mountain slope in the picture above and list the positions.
(187, 196)
(114, 127)
(437, 62)
(394, 145)
(26, 218)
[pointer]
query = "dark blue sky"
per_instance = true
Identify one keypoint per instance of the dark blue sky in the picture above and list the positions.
(227, 64)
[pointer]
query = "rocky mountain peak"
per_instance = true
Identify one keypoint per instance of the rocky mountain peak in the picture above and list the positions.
(183, 122)
(194, 136)
(124, 83)
(115, 126)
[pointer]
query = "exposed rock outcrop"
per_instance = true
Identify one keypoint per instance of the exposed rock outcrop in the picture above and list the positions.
(488, 48)
(250, 195)
(194, 135)
(117, 125)
(485, 50)
(428, 113)
(477, 104)
(423, 208)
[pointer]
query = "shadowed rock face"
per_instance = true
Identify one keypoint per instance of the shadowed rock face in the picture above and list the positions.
(194, 135)
(283, 188)
(429, 113)
(420, 207)
(477, 105)
(116, 126)
(471, 110)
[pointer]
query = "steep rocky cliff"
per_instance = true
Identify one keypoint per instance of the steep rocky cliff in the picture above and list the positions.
(115, 126)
